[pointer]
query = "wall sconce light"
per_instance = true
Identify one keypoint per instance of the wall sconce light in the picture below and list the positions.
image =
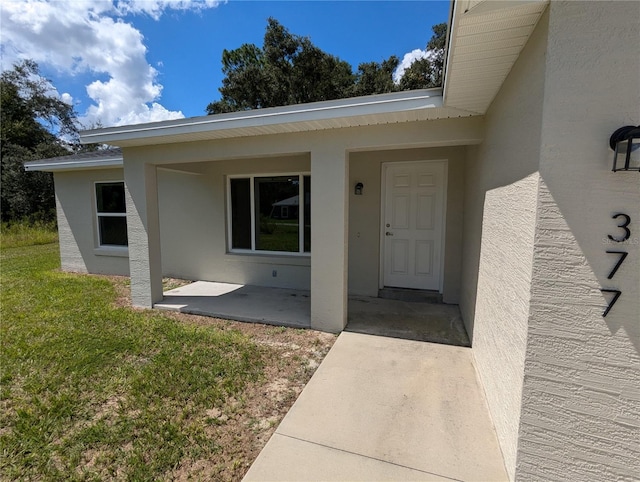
(625, 143)
(358, 189)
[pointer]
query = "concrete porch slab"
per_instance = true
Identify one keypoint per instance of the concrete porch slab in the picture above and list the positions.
(241, 303)
(420, 321)
(382, 408)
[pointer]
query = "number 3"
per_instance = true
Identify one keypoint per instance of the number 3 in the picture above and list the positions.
(627, 231)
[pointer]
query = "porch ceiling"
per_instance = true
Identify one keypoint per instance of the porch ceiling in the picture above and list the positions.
(486, 39)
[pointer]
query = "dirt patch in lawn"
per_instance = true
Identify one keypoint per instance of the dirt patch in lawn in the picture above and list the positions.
(244, 424)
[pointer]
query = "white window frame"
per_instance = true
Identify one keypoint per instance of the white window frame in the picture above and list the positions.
(104, 215)
(301, 252)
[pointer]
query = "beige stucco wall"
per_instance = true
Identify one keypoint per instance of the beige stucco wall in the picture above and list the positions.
(328, 152)
(581, 409)
(193, 225)
(193, 201)
(176, 221)
(77, 230)
(499, 222)
(365, 211)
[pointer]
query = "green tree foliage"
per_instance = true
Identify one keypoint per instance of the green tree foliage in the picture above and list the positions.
(289, 69)
(375, 78)
(33, 123)
(427, 73)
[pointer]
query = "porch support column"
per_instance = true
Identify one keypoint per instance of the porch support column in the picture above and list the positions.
(329, 231)
(143, 230)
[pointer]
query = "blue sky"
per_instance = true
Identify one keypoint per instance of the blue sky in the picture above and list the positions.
(130, 61)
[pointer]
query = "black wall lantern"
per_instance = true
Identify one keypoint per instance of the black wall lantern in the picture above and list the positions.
(358, 189)
(625, 143)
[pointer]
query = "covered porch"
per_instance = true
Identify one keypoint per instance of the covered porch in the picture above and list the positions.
(193, 187)
(406, 318)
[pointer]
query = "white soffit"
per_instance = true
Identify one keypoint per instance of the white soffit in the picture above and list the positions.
(487, 38)
(392, 108)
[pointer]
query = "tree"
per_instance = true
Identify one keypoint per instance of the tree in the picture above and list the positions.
(34, 124)
(427, 72)
(437, 45)
(375, 78)
(288, 69)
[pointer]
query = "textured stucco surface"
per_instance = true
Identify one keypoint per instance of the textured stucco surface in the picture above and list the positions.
(329, 228)
(143, 230)
(364, 216)
(581, 396)
(193, 225)
(77, 229)
(500, 215)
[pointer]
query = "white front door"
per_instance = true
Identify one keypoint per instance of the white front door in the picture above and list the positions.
(413, 224)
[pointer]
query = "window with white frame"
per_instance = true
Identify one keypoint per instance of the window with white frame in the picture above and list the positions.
(270, 213)
(111, 213)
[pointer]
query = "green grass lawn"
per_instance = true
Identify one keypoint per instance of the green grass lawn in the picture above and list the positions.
(92, 391)
(27, 234)
(278, 235)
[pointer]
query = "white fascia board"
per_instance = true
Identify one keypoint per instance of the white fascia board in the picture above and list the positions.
(451, 29)
(57, 166)
(315, 112)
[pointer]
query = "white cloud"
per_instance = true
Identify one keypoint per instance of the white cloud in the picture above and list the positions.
(407, 60)
(67, 98)
(91, 36)
(155, 8)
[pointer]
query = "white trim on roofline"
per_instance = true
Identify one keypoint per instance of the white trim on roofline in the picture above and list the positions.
(451, 26)
(73, 164)
(379, 104)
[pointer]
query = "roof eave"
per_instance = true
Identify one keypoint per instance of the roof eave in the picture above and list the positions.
(318, 112)
(486, 38)
(73, 165)
(447, 60)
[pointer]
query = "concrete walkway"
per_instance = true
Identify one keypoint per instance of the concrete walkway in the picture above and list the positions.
(381, 408)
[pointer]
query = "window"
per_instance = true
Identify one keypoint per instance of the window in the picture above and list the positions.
(265, 213)
(111, 214)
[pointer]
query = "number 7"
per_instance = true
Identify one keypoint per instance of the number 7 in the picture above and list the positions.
(623, 255)
(613, 300)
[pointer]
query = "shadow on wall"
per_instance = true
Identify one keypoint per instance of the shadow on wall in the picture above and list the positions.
(601, 226)
(499, 225)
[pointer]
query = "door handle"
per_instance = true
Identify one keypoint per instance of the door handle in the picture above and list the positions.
(388, 233)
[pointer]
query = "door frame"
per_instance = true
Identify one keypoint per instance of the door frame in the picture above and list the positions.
(383, 197)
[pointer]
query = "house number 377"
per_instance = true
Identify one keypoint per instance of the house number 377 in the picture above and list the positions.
(624, 234)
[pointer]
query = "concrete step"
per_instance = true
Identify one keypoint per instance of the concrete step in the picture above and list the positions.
(405, 294)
